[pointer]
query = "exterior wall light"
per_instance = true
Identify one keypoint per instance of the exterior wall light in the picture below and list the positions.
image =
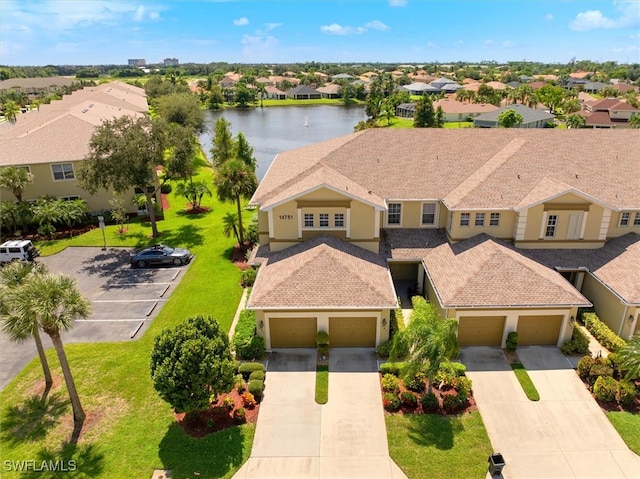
(630, 318)
(261, 324)
(384, 322)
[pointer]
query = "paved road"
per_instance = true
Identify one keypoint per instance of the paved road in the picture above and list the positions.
(564, 435)
(296, 438)
(124, 301)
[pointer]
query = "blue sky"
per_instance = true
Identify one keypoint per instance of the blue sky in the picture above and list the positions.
(408, 31)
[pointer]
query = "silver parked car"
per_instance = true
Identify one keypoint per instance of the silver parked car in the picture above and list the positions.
(160, 254)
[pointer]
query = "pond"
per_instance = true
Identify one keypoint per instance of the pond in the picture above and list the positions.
(275, 129)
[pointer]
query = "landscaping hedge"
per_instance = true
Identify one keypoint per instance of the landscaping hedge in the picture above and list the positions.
(256, 387)
(602, 333)
(247, 368)
(245, 342)
(392, 368)
(579, 343)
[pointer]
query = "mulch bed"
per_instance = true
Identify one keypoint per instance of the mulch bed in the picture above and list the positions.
(218, 417)
(239, 255)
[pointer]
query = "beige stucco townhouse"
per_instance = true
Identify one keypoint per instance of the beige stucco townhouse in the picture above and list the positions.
(504, 230)
(51, 142)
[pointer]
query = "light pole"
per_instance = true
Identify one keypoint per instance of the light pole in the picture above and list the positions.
(104, 238)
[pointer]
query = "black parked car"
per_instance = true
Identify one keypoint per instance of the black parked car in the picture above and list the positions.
(160, 254)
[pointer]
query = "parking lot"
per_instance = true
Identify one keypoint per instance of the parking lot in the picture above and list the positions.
(124, 300)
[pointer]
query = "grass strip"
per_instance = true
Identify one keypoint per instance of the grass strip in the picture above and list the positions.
(627, 424)
(525, 381)
(322, 384)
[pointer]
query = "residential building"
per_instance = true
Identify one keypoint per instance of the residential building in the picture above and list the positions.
(36, 86)
(608, 113)
(136, 62)
(171, 62)
(303, 92)
(53, 141)
(453, 110)
(502, 229)
(531, 118)
(330, 90)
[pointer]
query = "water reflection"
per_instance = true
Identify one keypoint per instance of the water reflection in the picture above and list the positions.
(275, 129)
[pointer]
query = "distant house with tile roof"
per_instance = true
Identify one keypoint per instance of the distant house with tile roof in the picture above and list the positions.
(608, 113)
(330, 90)
(36, 86)
(531, 118)
(303, 92)
(502, 229)
(53, 141)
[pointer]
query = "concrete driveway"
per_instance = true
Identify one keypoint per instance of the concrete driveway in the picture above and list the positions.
(298, 438)
(124, 301)
(564, 435)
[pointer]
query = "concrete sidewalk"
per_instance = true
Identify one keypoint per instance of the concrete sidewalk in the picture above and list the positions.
(298, 438)
(564, 435)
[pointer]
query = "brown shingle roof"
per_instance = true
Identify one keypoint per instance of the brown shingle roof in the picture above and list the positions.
(323, 272)
(483, 271)
(430, 163)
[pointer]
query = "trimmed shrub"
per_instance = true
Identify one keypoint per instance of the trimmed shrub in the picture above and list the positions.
(322, 338)
(454, 402)
(584, 366)
(245, 342)
(240, 416)
(512, 341)
(462, 385)
(602, 333)
(256, 387)
(166, 188)
(627, 393)
(409, 399)
(247, 368)
(390, 383)
(384, 349)
(392, 368)
(323, 349)
(248, 277)
(605, 389)
(239, 384)
(256, 375)
(454, 368)
(390, 401)
(429, 402)
(579, 343)
(416, 383)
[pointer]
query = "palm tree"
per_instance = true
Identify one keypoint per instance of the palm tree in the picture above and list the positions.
(629, 356)
(193, 192)
(230, 225)
(576, 121)
(428, 340)
(234, 181)
(73, 212)
(11, 109)
(16, 179)
(54, 301)
(20, 327)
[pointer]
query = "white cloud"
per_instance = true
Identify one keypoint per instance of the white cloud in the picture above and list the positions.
(397, 3)
(549, 17)
(431, 45)
(272, 26)
(239, 22)
(628, 17)
(507, 43)
(138, 15)
(488, 42)
(377, 25)
(258, 47)
(337, 29)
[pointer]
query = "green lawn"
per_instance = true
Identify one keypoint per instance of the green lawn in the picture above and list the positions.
(129, 430)
(525, 381)
(432, 445)
(627, 424)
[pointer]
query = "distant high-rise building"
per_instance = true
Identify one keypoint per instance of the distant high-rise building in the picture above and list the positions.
(137, 62)
(171, 62)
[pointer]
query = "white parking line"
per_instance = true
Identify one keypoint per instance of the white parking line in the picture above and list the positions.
(127, 300)
(139, 284)
(112, 320)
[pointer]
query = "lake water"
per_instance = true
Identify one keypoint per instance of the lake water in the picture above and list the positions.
(275, 129)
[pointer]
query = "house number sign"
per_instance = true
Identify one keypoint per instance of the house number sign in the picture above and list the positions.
(285, 217)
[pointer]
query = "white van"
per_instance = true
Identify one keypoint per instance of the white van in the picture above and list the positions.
(17, 250)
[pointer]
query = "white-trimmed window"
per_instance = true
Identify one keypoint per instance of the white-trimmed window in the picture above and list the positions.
(69, 198)
(552, 223)
(324, 220)
(394, 214)
(625, 216)
(338, 220)
(479, 219)
(494, 219)
(308, 220)
(428, 214)
(636, 220)
(62, 171)
(464, 219)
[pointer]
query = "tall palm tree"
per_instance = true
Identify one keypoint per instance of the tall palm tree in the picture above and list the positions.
(629, 356)
(234, 180)
(11, 109)
(55, 301)
(193, 192)
(230, 225)
(16, 179)
(20, 327)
